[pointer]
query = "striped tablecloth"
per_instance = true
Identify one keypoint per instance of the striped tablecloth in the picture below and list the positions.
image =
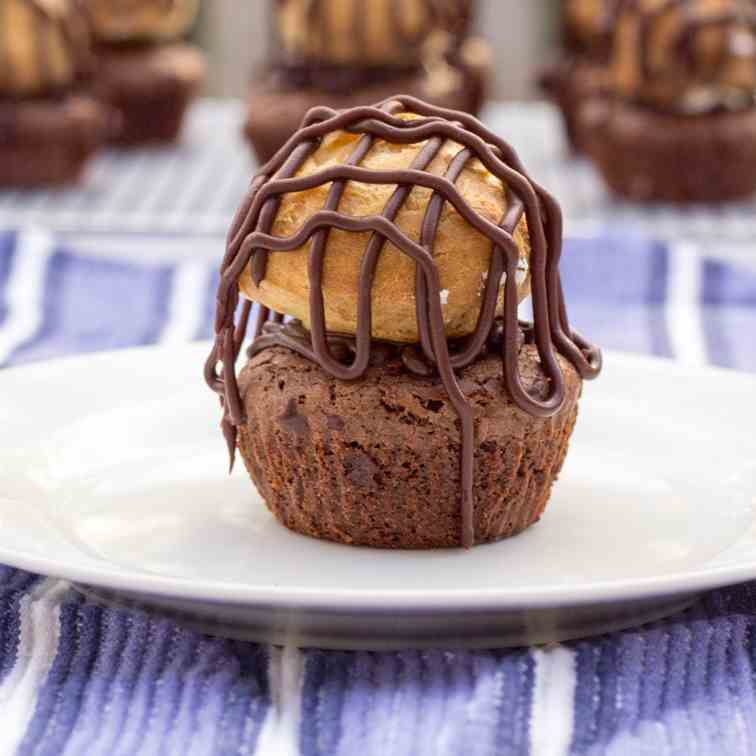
(79, 679)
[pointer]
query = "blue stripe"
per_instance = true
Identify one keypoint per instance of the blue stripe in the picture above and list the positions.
(729, 336)
(726, 284)
(416, 703)
(672, 687)
(97, 698)
(620, 306)
(649, 675)
(92, 305)
(142, 671)
(623, 271)
(660, 344)
(247, 700)
(729, 297)
(595, 721)
(14, 585)
(205, 686)
(208, 306)
(123, 680)
(718, 346)
(132, 636)
(513, 727)
(7, 250)
(714, 292)
(323, 693)
(59, 700)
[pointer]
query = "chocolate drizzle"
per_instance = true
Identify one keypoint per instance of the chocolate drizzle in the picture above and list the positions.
(250, 241)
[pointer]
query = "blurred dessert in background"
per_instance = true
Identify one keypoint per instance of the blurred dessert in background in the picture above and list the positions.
(678, 121)
(144, 70)
(342, 53)
(581, 68)
(49, 129)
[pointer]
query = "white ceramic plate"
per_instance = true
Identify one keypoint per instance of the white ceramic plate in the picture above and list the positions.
(112, 475)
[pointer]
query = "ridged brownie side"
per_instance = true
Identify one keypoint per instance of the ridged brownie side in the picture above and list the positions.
(376, 462)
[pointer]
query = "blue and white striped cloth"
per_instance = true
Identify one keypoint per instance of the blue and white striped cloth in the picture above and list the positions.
(79, 679)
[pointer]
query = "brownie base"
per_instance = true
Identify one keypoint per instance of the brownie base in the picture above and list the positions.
(275, 112)
(151, 86)
(646, 155)
(568, 83)
(48, 142)
(376, 462)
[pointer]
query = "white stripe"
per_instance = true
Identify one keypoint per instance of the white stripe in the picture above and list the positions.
(37, 647)
(232, 184)
(125, 180)
(196, 187)
(24, 293)
(551, 717)
(164, 178)
(280, 733)
(185, 308)
(684, 316)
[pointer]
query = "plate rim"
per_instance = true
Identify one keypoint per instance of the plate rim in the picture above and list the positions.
(416, 600)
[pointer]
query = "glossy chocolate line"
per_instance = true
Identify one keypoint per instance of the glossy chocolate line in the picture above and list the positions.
(250, 241)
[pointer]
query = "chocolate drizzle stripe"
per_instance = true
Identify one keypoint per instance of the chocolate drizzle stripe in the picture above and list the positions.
(262, 318)
(428, 231)
(317, 253)
(251, 240)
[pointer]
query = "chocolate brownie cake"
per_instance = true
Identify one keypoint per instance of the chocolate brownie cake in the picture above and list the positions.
(144, 71)
(382, 461)
(342, 54)
(48, 129)
(391, 396)
(679, 121)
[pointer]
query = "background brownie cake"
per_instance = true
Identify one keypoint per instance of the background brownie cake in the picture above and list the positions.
(679, 123)
(348, 52)
(143, 70)
(406, 405)
(48, 130)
